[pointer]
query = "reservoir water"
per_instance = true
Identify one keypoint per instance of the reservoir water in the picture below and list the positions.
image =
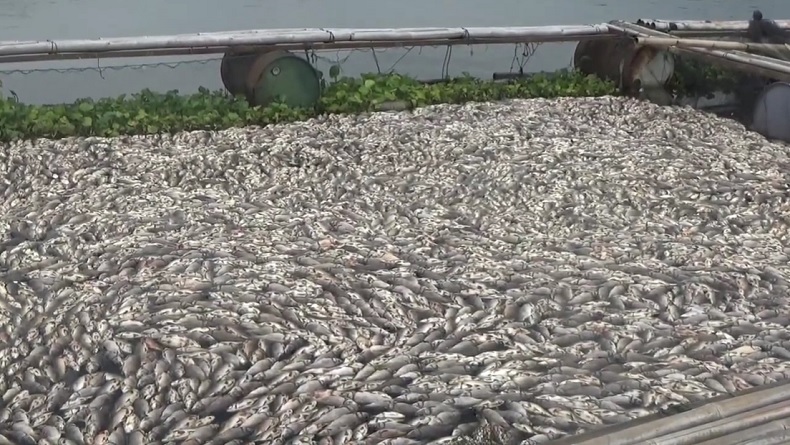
(54, 82)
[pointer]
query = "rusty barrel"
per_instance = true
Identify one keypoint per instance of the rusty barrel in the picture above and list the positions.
(234, 69)
(620, 60)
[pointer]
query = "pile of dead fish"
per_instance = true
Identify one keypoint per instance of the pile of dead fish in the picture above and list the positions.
(527, 270)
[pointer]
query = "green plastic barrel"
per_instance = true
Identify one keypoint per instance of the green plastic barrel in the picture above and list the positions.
(279, 76)
(234, 70)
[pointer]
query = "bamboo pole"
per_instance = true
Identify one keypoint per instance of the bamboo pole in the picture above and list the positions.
(771, 429)
(699, 416)
(707, 34)
(331, 46)
(729, 425)
(748, 63)
(779, 51)
(666, 42)
(304, 36)
(704, 25)
(598, 433)
(782, 439)
(776, 438)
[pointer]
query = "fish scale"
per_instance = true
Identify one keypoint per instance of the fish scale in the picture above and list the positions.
(519, 271)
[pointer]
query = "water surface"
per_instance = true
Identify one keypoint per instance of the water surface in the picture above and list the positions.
(74, 19)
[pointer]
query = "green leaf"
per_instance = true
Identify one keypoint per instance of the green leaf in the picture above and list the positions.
(151, 112)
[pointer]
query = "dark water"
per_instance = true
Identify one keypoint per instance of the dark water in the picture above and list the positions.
(72, 19)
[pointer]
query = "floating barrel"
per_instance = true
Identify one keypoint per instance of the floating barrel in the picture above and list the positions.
(282, 76)
(234, 70)
(623, 62)
(771, 116)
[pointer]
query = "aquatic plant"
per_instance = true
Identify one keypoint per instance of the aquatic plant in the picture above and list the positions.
(149, 112)
(693, 77)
